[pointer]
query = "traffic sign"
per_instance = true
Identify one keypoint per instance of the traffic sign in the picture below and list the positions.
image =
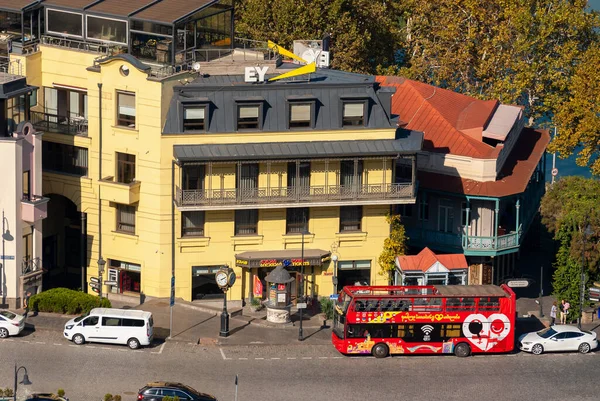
(7, 257)
(554, 172)
(96, 290)
(334, 297)
(301, 305)
(95, 285)
(94, 280)
(518, 283)
(110, 283)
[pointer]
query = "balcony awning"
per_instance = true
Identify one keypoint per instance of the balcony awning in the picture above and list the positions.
(259, 259)
(410, 144)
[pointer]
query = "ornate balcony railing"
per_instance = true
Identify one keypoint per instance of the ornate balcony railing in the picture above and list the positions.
(48, 122)
(286, 195)
(30, 265)
(473, 243)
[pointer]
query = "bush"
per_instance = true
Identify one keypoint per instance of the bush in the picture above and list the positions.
(326, 307)
(64, 300)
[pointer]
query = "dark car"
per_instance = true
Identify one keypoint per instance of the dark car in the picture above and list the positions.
(156, 392)
(45, 397)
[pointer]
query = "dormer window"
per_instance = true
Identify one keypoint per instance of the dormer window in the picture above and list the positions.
(248, 116)
(194, 118)
(301, 115)
(353, 114)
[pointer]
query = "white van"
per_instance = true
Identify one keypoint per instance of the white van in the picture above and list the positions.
(112, 326)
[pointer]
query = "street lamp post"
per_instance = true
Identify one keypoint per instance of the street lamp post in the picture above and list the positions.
(334, 258)
(301, 295)
(224, 317)
(25, 380)
(5, 237)
(586, 231)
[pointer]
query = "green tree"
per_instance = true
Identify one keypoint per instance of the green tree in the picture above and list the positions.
(364, 33)
(394, 245)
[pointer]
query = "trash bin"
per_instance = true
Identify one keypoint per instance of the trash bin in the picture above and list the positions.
(598, 310)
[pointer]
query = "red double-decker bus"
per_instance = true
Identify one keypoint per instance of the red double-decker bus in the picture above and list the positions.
(435, 319)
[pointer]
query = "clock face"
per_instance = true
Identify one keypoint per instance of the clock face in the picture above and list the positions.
(231, 279)
(221, 279)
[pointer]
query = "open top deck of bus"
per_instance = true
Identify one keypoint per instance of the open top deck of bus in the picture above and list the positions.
(431, 290)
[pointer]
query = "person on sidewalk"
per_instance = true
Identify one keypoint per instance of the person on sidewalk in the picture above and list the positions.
(26, 303)
(564, 311)
(553, 313)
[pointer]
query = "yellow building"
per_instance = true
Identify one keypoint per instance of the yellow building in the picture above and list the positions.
(190, 161)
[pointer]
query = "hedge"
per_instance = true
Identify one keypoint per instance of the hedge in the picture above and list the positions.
(64, 300)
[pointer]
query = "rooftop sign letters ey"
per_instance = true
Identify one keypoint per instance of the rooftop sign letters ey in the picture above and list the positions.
(255, 74)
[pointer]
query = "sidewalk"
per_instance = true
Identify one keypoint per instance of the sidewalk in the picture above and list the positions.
(201, 325)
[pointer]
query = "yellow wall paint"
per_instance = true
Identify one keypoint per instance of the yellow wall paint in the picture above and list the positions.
(151, 245)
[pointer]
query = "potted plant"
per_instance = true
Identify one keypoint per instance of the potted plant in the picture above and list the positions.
(326, 310)
(256, 304)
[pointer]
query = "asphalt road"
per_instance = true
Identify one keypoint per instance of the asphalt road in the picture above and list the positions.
(294, 372)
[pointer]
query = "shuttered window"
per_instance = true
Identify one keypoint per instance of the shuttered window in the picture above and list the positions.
(192, 224)
(300, 115)
(126, 219)
(297, 220)
(126, 109)
(354, 114)
(246, 222)
(350, 218)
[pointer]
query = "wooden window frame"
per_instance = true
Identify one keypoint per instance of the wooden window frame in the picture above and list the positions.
(126, 121)
(293, 223)
(253, 226)
(123, 163)
(306, 124)
(122, 227)
(346, 223)
(242, 127)
(347, 121)
(194, 127)
(193, 230)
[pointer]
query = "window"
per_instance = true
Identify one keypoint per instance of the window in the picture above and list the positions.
(403, 172)
(303, 177)
(300, 115)
(67, 159)
(106, 30)
(15, 112)
(353, 114)
(126, 219)
(111, 321)
(460, 304)
(489, 304)
(248, 116)
(406, 331)
(423, 207)
(64, 23)
(126, 109)
(26, 184)
(571, 334)
(91, 321)
(248, 178)
(427, 305)
(445, 216)
(348, 177)
(192, 224)
(193, 177)
(297, 220)
(350, 218)
(450, 331)
(404, 210)
(132, 323)
(463, 208)
(246, 222)
(194, 118)
(125, 168)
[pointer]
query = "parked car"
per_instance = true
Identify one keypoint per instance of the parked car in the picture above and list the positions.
(559, 338)
(11, 324)
(112, 326)
(156, 391)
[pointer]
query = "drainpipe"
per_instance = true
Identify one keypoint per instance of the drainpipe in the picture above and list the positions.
(101, 261)
(172, 300)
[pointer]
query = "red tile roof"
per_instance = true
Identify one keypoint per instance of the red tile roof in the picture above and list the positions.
(513, 178)
(426, 258)
(452, 122)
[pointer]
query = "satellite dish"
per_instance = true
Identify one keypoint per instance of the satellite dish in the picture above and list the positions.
(196, 66)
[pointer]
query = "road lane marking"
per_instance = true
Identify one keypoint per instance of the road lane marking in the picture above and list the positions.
(307, 357)
(323, 357)
(243, 359)
(291, 358)
(223, 355)
(40, 342)
(161, 349)
(275, 358)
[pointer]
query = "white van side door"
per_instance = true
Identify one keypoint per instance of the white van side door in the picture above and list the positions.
(110, 330)
(90, 327)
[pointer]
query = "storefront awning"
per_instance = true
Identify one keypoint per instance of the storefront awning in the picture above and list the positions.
(258, 259)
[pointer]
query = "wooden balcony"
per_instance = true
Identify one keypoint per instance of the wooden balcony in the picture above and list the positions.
(278, 197)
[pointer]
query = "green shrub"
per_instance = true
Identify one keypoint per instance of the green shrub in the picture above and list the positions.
(326, 307)
(64, 300)
(60, 392)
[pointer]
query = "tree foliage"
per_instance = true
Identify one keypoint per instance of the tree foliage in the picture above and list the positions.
(364, 33)
(539, 54)
(393, 245)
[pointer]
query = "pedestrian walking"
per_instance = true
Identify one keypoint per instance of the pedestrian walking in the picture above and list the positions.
(564, 311)
(26, 303)
(553, 313)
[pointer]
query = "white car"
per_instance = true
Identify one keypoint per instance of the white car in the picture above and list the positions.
(11, 324)
(559, 338)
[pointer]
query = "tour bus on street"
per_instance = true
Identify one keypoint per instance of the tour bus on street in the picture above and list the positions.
(434, 319)
(112, 326)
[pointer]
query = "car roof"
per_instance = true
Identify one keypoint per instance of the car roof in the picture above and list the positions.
(171, 384)
(133, 313)
(561, 328)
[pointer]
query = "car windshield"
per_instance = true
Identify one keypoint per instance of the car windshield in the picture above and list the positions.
(546, 333)
(80, 318)
(8, 315)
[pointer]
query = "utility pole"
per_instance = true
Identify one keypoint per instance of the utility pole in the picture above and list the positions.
(541, 290)
(553, 160)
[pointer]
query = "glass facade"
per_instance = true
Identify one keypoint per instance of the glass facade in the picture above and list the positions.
(64, 23)
(106, 30)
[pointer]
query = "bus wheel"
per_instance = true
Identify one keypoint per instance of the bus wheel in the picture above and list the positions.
(462, 350)
(380, 350)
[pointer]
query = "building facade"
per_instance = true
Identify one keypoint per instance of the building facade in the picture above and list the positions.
(23, 207)
(158, 167)
(480, 174)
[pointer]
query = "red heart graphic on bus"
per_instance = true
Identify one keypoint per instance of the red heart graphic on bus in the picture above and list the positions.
(485, 332)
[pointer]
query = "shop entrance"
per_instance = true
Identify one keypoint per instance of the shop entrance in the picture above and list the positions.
(204, 285)
(128, 276)
(356, 272)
